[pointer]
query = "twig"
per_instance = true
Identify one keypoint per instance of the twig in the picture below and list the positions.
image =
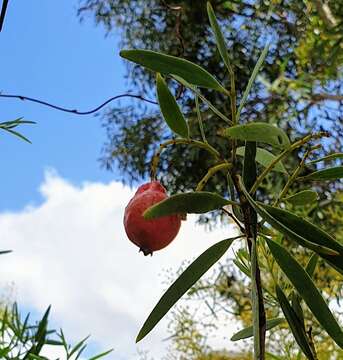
(74, 111)
(3, 13)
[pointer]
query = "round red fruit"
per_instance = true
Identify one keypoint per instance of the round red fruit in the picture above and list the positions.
(149, 235)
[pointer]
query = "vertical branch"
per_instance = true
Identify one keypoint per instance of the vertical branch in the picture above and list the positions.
(250, 225)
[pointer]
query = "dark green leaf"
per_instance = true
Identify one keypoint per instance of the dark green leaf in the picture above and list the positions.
(260, 132)
(5, 252)
(296, 227)
(307, 290)
(248, 331)
(249, 165)
(171, 65)
(170, 109)
(16, 133)
(220, 41)
(304, 197)
(296, 306)
(264, 158)
(295, 324)
(191, 203)
(299, 230)
(334, 173)
(185, 281)
(328, 158)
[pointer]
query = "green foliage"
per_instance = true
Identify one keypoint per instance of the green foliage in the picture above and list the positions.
(267, 111)
(23, 339)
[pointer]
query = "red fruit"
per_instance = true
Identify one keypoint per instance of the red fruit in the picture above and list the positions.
(149, 235)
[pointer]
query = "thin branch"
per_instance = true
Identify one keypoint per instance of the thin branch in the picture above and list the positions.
(74, 111)
(3, 13)
(325, 96)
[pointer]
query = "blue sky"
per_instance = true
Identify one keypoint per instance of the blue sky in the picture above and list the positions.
(46, 53)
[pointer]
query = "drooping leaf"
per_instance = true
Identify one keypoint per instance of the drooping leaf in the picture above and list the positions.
(311, 265)
(252, 78)
(259, 132)
(294, 323)
(184, 282)
(220, 41)
(304, 197)
(334, 173)
(300, 227)
(170, 109)
(248, 331)
(191, 203)
(264, 157)
(171, 65)
(296, 306)
(328, 158)
(308, 236)
(307, 290)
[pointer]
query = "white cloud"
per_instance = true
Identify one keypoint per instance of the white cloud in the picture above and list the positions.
(72, 252)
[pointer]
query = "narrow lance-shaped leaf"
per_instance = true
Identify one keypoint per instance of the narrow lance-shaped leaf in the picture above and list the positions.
(334, 173)
(185, 281)
(191, 203)
(171, 65)
(324, 246)
(248, 331)
(304, 197)
(307, 290)
(259, 132)
(252, 79)
(300, 227)
(170, 109)
(220, 41)
(264, 157)
(294, 323)
(328, 158)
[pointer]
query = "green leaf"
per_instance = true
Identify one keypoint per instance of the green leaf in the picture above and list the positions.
(16, 133)
(170, 109)
(294, 323)
(249, 165)
(304, 197)
(248, 331)
(220, 41)
(311, 265)
(264, 157)
(191, 203)
(328, 158)
(299, 230)
(252, 79)
(185, 281)
(260, 132)
(307, 290)
(101, 355)
(171, 65)
(334, 173)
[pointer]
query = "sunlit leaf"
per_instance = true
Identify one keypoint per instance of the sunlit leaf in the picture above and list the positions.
(248, 331)
(307, 290)
(191, 203)
(170, 109)
(259, 132)
(295, 324)
(171, 65)
(304, 197)
(264, 157)
(184, 282)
